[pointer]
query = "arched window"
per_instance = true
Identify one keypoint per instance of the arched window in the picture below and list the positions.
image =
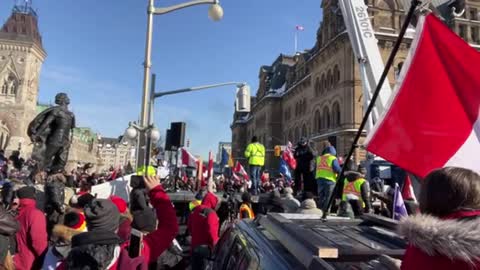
(324, 83)
(9, 85)
(317, 87)
(326, 118)
(316, 121)
(329, 80)
(336, 74)
(304, 106)
(336, 115)
(304, 131)
(297, 134)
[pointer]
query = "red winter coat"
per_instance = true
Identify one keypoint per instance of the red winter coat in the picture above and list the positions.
(203, 225)
(32, 236)
(442, 244)
(210, 200)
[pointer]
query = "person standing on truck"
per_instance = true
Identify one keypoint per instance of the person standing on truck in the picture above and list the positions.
(326, 174)
(356, 191)
(246, 207)
(255, 153)
(304, 155)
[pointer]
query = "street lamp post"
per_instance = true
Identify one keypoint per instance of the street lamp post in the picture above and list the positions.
(215, 13)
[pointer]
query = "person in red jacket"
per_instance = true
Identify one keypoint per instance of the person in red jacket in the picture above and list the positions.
(203, 225)
(447, 233)
(101, 248)
(32, 236)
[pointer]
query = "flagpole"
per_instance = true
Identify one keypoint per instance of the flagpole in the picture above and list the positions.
(388, 65)
(296, 42)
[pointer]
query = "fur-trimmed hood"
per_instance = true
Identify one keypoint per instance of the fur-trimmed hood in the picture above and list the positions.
(64, 233)
(457, 239)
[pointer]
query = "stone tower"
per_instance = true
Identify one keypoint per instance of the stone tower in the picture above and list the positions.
(21, 58)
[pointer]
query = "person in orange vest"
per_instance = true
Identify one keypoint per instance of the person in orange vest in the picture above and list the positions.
(356, 191)
(246, 207)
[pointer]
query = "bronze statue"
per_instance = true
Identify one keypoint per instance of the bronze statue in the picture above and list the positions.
(50, 132)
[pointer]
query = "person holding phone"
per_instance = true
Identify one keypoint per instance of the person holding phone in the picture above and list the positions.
(101, 248)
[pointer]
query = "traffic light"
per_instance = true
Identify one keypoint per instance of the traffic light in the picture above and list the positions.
(277, 150)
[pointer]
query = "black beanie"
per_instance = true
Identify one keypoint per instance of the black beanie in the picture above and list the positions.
(144, 220)
(84, 200)
(102, 214)
(26, 193)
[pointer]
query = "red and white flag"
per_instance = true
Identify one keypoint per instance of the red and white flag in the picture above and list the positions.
(239, 169)
(210, 166)
(432, 120)
(299, 28)
(188, 159)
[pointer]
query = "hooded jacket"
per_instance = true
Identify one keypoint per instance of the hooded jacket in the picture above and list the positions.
(203, 223)
(32, 236)
(449, 243)
(8, 228)
(59, 251)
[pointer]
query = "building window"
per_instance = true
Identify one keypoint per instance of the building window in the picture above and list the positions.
(304, 131)
(297, 134)
(336, 114)
(317, 121)
(473, 14)
(324, 83)
(326, 118)
(329, 80)
(462, 31)
(475, 33)
(336, 74)
(317, 87)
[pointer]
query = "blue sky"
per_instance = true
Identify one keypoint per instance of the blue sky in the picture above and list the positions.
(96, 49)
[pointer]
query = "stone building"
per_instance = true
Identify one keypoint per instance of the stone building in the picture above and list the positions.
(21, 58)
(84, 147)
(115, 152)
(318, 93)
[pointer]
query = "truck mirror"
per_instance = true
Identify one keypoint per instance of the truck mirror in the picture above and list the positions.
(242, 102)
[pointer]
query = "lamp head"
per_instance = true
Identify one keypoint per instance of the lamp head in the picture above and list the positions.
(131, 133)
(154, 135)
(215, 12)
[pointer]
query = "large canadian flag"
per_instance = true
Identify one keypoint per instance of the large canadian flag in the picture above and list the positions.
(433, 118)
(188, 159)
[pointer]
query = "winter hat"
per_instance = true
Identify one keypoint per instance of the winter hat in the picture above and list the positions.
(120, 203)
(288, 191)
(199, 196)
(80, 201)
(26, 193)
(75, 221)
(309, 204)
(246, 197)
(144, 220)
(102, 214)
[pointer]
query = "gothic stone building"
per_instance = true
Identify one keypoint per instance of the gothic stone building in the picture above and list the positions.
(318, 93)
(21, 58)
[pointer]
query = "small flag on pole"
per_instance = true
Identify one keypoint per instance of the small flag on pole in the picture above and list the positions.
(399, 209)
(299, 28)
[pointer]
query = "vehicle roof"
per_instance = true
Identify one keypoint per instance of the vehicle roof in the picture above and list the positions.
(272, 254)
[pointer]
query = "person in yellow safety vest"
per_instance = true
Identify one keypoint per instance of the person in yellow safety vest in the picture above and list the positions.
(246, 207)
(196, 202)
(327, 168)
(150, 171)
(356, 191)
(255, 153)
